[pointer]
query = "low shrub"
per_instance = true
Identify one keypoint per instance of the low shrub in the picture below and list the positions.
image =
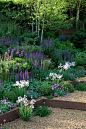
(80, 68)
(19, 91)
(59, 90)
(79, 39)
(80, 62)
(80, 87)
(68, 85)
(32, 94)
(1, 94)
(45, 89)
(11, 96)
(41, 111)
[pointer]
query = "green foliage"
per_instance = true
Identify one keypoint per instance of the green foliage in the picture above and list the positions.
(80, 68)
(29, 38)
(79, 39)
(69, 86)
(80, 62)
(63, 45)
(19, 63)
(7, 86)
(41, 111)
(11, 96)
(81, 54)
(19, 91)
(47, 63)
(80, 87)
(32, 94)
(45, 89)
(49, 97)
(25, 112)
(1, 94)
(34, 85)
(2, 49)
(59, 92)
(6, 105)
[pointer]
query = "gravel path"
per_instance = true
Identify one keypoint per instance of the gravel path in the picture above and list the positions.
(58, 119)
(78, 96)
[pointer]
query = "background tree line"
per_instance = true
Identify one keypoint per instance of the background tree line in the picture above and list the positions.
(45, 17)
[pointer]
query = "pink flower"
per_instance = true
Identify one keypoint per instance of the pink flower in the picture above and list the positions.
(52, 88)
(43, 102)
(1, 124)
(4, 120)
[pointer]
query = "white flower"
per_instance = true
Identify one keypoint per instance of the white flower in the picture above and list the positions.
(60, 76)
(47, 78)
(32, 101)
(32, 106)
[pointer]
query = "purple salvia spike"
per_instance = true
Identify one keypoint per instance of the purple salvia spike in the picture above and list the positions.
(17, 77)
(23, 76)
(0, 83)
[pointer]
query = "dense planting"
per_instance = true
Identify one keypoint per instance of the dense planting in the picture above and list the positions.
(36, 63)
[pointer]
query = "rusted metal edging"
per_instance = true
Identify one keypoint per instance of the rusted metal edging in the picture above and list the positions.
(65, 104)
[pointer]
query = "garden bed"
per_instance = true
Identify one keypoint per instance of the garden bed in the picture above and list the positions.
(76, 100)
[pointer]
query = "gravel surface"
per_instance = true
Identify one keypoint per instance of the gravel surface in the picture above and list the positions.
(58, 119)
(78, 96)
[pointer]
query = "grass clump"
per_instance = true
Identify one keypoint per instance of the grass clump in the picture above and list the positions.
(42, 111)
(81, 87)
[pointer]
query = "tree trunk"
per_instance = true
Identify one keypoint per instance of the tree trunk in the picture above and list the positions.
(42, 30)
(43, 23)
(77, 14)
(32, 25)
(38, 27)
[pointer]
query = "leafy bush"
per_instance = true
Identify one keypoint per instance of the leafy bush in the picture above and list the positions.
(41, 111)
(30, 38)
(19, 91)
(6, 105)
(1, 94)
(2, 49)
(79, 39)
(19, 63)
(11, 96)
(81, 87)
(32, 94)
(80, 68)
(45, 89)
(59, 90)
(63, 38)
(68, 85)
(7, 86)
(34, 85)
(80, 62)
